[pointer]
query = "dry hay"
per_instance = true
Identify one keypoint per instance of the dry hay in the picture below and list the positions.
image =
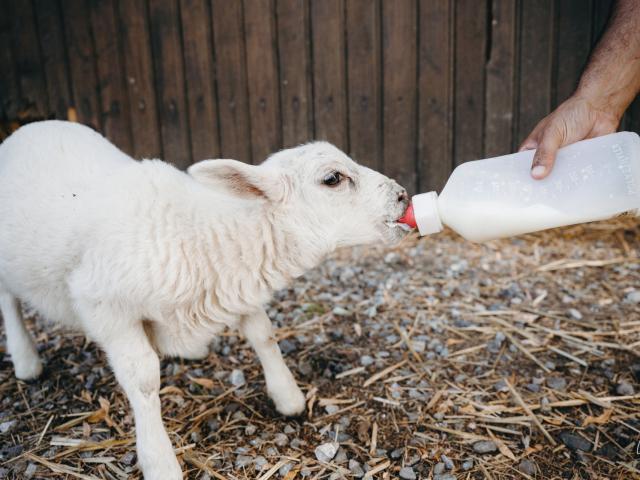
(411, 358)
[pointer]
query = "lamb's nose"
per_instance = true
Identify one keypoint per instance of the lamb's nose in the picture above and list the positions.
(403, 196)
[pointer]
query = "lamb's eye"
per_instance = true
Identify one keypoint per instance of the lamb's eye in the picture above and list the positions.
(332, 179)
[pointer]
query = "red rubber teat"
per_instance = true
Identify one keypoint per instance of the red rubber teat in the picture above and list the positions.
(408, 218)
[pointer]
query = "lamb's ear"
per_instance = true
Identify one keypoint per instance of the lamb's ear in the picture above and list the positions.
(249, 181)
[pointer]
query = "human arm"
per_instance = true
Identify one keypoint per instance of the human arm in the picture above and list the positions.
(608, 85)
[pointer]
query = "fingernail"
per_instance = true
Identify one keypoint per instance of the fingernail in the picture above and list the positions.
(538, 171)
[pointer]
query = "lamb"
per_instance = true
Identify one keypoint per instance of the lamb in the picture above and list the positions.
(151, 261)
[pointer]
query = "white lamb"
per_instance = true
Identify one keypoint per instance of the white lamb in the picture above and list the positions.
(147, 260)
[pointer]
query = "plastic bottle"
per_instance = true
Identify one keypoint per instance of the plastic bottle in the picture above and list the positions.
(493, 198)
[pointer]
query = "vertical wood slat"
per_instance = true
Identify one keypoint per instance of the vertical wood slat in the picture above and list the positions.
(54, 58)
(262, 78)
(9, 93)
(235, 128)
(572, 45)
(536, 63)
(82, 67)
(500, 77)
(329, 85)
(471, 38)
(145, 129)
(200, 78)
(435, 84)
(294, 67)
(364, 81)
(399, 54)
(26, 51)
(169, 77)
(111, 81)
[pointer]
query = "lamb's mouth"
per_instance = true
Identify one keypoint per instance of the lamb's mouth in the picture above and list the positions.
(401, 226)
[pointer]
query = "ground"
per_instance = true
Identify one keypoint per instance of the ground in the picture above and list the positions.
(437, 358)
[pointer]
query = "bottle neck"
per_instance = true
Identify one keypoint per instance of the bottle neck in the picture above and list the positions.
(425, 209)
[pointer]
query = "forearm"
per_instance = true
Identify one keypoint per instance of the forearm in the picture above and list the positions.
(612, 77)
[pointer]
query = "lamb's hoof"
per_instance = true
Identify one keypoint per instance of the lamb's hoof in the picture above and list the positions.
(289, 403)
(28, 369)
(164, 468)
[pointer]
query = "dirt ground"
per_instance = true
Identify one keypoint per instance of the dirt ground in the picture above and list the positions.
(436, 359)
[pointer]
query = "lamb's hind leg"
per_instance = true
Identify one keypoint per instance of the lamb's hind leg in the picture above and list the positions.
(24, 355)
(281, 385)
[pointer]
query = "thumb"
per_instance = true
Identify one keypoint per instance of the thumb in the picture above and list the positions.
(545, 155)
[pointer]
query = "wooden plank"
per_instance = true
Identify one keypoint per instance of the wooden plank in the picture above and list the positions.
(235, 129)
(572, 45)
(54, 56)
(435, 86)
(399, 53)
(294, 62)
(169, 76)
(470, 51)
(500, 88)
(536, 63)
(114, 101)
(9, 92)
(26, 50)
(82, 68)
(200, 78)
(262, 78)
(329, 83)
(145, 129)
(364, 76)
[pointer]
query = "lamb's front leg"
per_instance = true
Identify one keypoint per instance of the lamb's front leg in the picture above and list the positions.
(281, 385)
(137, 369)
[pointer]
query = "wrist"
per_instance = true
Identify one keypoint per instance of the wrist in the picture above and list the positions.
(605, 101)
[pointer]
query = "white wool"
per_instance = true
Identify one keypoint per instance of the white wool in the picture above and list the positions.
(147, 260)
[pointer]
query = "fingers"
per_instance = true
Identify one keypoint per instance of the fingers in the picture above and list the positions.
(545, 156)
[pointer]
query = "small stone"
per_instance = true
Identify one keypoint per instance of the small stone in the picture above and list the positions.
(243, 460)
(446, 476)
(30, 471)
(407, 473)
(260, 462)
(341, 312)
(236, 378)
(484, 446)
(286, 468)
(550, 365)
(575, 442)
(326, 451)
(439, 468)
(128, 458)
(467, 465)
(397, 453)
(501, 386)
(288, 429)
(447, 462)
(366, 360)
(575, 314)
(356, 468)
(250, 430)
(331, 409)
(287, 346)
(533, 387)
(557, 383)
(6, 427)
(280, 439)
(624, 388)
(527, 467)
(632, 297)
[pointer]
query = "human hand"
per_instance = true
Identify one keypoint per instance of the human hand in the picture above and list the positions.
(576, 119)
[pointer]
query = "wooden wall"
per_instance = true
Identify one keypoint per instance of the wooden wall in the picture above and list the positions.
(410, 87)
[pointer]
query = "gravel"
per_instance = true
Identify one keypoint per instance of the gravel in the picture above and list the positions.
(557, 383)
(484, 446)
(407, 473)
(623, 388)
(326, 451)
(575, 442)
(236, 378)
(527, 467)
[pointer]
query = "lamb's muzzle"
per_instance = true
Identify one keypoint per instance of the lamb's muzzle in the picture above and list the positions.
(144, 258)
